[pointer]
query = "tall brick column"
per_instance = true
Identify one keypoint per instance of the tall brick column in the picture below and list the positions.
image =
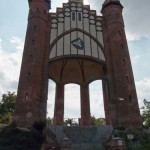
(122, 102)
(106, 102)
(33, 83)
(85, 106)
(59, 105)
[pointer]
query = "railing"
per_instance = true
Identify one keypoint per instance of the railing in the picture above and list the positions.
(77, 121)
(67, 121)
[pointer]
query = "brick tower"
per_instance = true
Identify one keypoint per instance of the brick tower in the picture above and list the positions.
(122, 106)
(74, 45)
(33, 82)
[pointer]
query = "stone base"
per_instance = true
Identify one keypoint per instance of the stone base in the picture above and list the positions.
(77, 138)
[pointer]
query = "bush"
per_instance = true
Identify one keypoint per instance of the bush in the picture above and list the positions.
(39, 125)
(12, 138)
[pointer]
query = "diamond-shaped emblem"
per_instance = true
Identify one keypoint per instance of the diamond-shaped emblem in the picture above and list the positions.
(78, 43)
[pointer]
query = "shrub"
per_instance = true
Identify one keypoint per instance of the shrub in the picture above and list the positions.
(39, 125)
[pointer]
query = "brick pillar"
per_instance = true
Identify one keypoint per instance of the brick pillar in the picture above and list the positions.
(59, 104)
(119, 70)
(106, 103)
(85, 106)
(33, 83)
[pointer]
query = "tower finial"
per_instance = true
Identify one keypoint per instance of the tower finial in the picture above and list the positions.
(108, 1)
(47, 1)
(111, 2)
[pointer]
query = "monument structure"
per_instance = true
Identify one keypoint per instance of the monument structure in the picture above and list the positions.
(75, 45)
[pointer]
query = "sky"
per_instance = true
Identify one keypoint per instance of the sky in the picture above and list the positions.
(13, 23)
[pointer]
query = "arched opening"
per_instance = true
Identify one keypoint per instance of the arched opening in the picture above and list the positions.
(72, 102)
(51, 99)
(96, 99)
(97, 103)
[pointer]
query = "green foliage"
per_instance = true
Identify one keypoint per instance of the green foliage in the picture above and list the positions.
(140, 139)
(37, 131)
(7, 106)
(70, 122)
(98, 122)
(144, 147)
(49, 121)
(12, 138)
(146, 113)
(39, 125)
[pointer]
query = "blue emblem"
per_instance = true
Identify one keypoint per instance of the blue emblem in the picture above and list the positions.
(78, 43)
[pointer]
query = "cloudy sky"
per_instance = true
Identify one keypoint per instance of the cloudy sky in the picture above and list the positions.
(13, 22)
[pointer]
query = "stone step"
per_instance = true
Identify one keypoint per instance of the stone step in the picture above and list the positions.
(79, 138)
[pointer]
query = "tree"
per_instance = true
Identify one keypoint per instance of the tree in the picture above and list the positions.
(98, 121)
(49, 121)
(146, 113)
(70, 122)
(7, 106)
